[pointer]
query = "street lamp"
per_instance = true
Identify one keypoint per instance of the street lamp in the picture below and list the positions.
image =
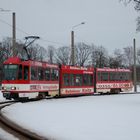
(72, 43)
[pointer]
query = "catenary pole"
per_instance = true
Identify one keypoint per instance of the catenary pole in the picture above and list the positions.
(135, 82)
(72, 48)
(14, 34)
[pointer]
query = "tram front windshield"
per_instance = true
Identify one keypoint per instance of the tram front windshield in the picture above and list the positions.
(10, 72)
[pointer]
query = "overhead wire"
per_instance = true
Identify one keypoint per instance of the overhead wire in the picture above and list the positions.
(20, 30)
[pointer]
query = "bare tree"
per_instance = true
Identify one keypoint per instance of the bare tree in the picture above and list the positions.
(113, 63)
(63, 55)
(138, 56)
(5, 52)
(82, 54)
(99, 56)
(37, 52)
(137, 8)
(50, 54)
(117, 60)
(137, 3)
(7, 46)
(128, 56)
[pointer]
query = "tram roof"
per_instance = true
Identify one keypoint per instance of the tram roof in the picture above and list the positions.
(113, 69)
(17, 60)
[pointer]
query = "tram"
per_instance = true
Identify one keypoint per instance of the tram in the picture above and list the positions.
(76, 80)
(29, 79)
(36, 79)
(109, 80)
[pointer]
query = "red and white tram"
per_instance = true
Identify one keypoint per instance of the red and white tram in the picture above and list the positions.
(110, 80)
(29, 79)
(76, 80)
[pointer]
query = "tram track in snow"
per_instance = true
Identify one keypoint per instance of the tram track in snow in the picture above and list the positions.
(122, 93)
(14, 129)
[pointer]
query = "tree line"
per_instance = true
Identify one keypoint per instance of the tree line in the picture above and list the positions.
(85, 54)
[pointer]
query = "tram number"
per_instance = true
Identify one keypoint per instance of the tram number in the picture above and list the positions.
(35, 87)
(86, 90)
(126, 85)
(104, 86)
(118, 85)
(121, 85)
(115, 85)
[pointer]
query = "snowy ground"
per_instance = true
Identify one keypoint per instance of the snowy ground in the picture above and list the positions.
(1, 97)
(6, 136)
(112, 117)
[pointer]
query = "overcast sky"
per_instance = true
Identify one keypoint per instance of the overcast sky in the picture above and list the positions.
(107, 22)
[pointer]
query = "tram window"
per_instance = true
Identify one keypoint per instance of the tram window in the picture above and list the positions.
(130, 76)
(111, 76)
(71, 80)
(26, 72)
(85, 79)
(127, 76)
(78, 80)
(99, 76)
(124, 76)
(54, 74)
(47, 74)
(40, 74)
(104, 76)
(20, 72)
(33, 73)
(90, 80)
(66, 79)
(10, 72)
(121, 76)
(116, 76)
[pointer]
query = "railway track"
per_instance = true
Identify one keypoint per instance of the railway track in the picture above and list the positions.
(14, 129)
(96, 94)
(122, 93)
(6, 102)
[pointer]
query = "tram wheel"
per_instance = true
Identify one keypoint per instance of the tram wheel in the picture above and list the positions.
(41, 96)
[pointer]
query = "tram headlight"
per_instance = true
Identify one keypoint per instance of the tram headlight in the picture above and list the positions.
(13, 88)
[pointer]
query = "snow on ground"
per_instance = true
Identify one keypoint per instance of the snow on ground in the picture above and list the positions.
(112, 117)
(6, 136)
(3, 134)
(1, 97)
